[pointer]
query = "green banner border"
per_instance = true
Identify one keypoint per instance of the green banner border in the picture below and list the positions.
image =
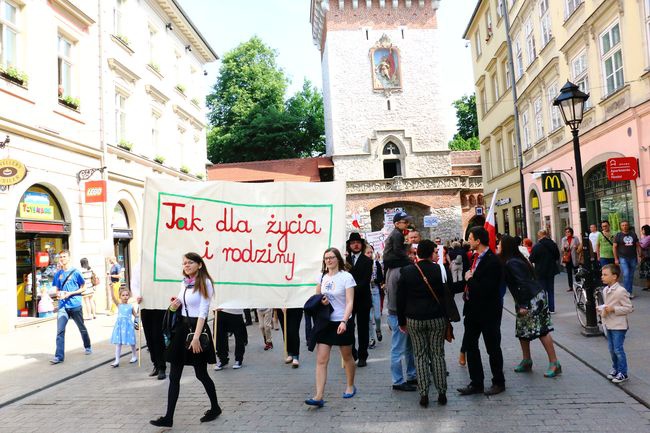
(233, 283)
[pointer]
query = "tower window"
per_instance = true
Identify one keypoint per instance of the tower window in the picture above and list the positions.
(392, 168)
(390, 149)
(388, 104)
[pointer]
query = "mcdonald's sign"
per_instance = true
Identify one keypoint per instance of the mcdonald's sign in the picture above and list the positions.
(552, 182)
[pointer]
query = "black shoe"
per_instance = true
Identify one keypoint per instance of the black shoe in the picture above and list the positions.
(154, 372)
(413, 382)
(161, 422)
(424, 401)
(249, 323)
(404, 387)
(442, 399)
(161, 374)
(211, 414)
(362, 363)
(470, 389)
(379, 336)
(495, 389)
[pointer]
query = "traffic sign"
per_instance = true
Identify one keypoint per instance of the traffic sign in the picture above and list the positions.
(619, 169)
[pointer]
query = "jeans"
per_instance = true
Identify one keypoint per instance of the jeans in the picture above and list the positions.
(66, 314)
(615, 340)
(605, 261)
(375, 312)
(628, 266)
(548, 285)
(400, 346)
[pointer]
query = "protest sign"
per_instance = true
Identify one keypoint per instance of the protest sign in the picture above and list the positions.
(376, 239)
(262, 242)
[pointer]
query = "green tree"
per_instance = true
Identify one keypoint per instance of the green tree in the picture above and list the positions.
(467, 123)
(249, 119)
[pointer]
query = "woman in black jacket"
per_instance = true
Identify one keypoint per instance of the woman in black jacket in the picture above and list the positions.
(531, 303)
(421, 315)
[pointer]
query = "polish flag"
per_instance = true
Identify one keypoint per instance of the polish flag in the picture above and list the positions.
(355, 220)
(490, 225)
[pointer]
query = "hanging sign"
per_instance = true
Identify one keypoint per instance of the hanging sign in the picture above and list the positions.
(619, 169)
(11, 172)
(95, 191)
(552, 182)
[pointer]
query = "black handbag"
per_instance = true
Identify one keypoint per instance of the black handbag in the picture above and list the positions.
(204, 338)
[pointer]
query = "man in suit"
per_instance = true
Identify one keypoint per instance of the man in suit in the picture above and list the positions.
(545, 256)
(362, 273)
(482, 311)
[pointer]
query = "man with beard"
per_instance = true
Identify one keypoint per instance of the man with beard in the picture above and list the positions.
(362, 273)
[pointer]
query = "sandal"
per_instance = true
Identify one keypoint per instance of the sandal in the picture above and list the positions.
(554, 369)
(524, 366)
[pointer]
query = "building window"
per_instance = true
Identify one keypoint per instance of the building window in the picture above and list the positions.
(119, 26)
(390, 149)
(152, 47)
(579, 74)
(484, 102)
(514, 152)
(500, 163)
(64, 67)
(495, 87)
(545, 22)
(499, 9)
(488, 25)
(519, 58)
(551, 94)
(392, 168)
(571, 6)
(612, 57)
(120, 117)
(155, 131)
(477, 42)
(531, 51)
(8, 33)
(525, 128)
(507, 74)
(519, 220)
(506, 222)
(539, 119)
(488, 163)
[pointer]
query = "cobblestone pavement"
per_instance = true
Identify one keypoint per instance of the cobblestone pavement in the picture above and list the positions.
(267, 395)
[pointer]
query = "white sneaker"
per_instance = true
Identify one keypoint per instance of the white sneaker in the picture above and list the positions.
(219, 366)
(236, 365)
(133, 360)
(612, 374)
(620, 377)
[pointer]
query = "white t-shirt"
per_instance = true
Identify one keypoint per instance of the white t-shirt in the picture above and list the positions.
(441, 262)
(197, 305)
(593, 237)
(334, 288)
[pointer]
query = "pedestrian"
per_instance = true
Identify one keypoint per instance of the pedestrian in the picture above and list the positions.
(459, 264)
(265, 317)
(69, 283)
(520, 246)
(531, 305)
(413, 238)
(114, 275)
(605, 245)
(421, 315)
(528, 244)
(627, 254)
(593, 237)
(292, 337)
(230, 321)
(545, 256)
(376, 281)
(361, 271)
(613, 313)
(570, 255)
(395, 258)
(336, 286)
(186, 347)
(124, 328)
(482, 310)
(89, 290)
(644, 269)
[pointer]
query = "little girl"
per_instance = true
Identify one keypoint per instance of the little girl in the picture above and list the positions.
(123, 331)
(614, 317)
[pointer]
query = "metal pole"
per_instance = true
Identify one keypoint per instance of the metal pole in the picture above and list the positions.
(589, 262)
(513, 88)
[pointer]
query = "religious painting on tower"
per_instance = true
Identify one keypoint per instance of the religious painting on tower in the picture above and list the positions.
(386, 73)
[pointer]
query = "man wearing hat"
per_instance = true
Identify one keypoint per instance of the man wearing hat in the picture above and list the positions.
(362, 273)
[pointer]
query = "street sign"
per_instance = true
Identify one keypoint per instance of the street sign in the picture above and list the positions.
(619, 169)
(552, 182)
(431, 221)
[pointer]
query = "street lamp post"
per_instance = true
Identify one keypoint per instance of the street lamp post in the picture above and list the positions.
(571, 102)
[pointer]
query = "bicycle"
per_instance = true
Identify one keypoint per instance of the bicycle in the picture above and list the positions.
(580, 299)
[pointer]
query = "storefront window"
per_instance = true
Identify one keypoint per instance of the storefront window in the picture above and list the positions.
(506, 222)
(38, 203)
(607, 200)
(535, 214)
(122, 236)
(519, 220)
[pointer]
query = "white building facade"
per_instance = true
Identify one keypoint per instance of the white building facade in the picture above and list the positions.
(107, 90)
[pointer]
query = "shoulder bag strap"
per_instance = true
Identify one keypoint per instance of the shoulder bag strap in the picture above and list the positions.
(426, 281)
(67, 278)
(187, 313)
(608, 239)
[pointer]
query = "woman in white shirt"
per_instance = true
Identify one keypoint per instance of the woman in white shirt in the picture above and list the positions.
(337, 287)
(194, 302)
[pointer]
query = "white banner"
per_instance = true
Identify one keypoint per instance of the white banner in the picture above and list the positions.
(376, 239)
(262, 242)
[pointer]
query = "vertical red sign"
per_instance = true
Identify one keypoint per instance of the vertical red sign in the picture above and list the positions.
(95, 191)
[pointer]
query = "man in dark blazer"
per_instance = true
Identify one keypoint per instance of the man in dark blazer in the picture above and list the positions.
(362, 273)
(482, 311)
(545, 256)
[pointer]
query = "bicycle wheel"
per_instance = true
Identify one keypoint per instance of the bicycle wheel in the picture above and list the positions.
(598, 295)
(580, 300)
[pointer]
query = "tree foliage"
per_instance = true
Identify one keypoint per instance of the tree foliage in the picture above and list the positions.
(467, 123)
(249, 118)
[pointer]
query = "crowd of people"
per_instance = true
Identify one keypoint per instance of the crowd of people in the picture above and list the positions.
(415, 279)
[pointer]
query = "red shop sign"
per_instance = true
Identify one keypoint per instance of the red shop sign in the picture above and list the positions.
(622, 169)
(95, 191)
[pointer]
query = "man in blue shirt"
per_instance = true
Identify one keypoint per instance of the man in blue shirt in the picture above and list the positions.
(70, 285)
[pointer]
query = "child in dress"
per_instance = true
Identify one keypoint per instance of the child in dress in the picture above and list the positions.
(123, 331)
(614, 317)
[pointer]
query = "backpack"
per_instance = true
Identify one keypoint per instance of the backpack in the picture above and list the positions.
(458, 260)
(94, 279)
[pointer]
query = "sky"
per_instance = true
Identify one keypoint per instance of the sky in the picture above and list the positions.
(284, 25)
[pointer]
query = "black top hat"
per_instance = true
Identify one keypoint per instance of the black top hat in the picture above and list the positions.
(355, 236)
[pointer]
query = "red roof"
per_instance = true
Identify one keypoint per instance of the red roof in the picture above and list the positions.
(297, 169)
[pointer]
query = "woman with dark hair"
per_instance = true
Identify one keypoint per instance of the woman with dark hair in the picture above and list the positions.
(337, 287)
(89, 290)
(644, 269)
(570, 254)
(531, 304)
(194, 301)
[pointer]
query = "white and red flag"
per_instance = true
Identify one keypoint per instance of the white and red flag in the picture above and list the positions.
(490, 224)
(355, 220)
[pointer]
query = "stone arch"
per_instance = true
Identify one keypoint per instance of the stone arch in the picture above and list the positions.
(415, 209)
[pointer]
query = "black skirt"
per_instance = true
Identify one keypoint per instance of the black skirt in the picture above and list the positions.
(176, 353)
(329, 336)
